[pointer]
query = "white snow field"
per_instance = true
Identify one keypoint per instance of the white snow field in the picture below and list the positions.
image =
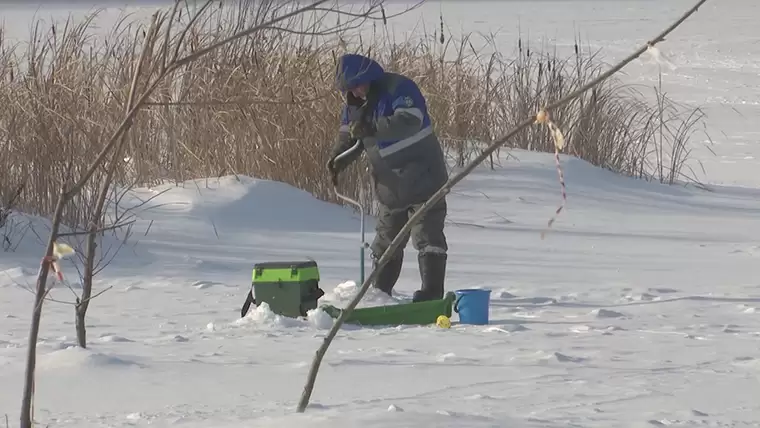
(641, 307)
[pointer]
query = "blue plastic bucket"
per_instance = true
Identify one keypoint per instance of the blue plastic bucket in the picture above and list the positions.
(472, 305)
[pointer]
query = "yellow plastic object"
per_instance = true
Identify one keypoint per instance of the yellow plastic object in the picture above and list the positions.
(443, 321)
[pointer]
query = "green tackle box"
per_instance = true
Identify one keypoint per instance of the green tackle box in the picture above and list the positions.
(289, 288)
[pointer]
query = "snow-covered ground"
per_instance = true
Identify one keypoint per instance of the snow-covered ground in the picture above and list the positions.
(640, 308)
(641, 305)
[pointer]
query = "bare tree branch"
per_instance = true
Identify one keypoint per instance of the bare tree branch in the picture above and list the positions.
(77, 298)
(198, 54)
(74, 180)
(97, 230)
(446, 188)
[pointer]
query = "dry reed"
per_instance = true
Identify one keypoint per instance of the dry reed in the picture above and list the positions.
(264, 106)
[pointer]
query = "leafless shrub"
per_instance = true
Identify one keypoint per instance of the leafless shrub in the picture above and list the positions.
(162, 59)
(96, 247)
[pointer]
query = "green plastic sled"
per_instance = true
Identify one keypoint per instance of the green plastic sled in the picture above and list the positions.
(420, 313)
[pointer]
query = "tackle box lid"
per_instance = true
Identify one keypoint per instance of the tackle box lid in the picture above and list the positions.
(285, 270)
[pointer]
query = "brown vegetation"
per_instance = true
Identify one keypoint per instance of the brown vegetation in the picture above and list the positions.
(168, 48)
(264, 106)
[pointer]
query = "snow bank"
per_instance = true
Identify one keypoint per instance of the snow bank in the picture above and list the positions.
(240, 203)
(390, 417)
(74, 357)
(262, 316)
(345, 292)
(17, 276)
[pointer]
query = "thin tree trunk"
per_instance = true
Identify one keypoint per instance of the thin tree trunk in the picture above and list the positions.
(39, 298)
(541, 117)
(80, 313)
(89, 263)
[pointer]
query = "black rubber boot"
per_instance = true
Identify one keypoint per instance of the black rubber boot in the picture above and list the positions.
(388, 275)
(433, 274)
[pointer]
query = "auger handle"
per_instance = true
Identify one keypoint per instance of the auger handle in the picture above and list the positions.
(356, 203)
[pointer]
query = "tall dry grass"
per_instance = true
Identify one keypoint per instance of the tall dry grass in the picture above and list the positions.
(264, 106)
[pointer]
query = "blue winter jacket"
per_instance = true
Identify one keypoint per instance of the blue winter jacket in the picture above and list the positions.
(406, 159)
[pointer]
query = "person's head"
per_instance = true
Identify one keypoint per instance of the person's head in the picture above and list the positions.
(355, 73)
(360, 91)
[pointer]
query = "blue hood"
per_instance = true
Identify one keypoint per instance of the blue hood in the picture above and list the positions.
(354, 70)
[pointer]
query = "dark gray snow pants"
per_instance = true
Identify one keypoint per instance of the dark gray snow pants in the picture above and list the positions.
(427, 235)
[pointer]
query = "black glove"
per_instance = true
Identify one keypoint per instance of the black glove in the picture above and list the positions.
(353, 101)
(364, 127)
(333, 170)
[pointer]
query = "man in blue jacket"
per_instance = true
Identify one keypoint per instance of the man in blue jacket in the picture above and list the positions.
(387, 115)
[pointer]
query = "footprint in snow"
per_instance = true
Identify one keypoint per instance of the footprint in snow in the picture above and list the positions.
(663, 290)
(534, 300)
(479, 397)
(450, 356)
(731, 328)
(503, 294)
(560, 357)
(563, 358)
(506, 328)
(202, 285)
(169, 338)
(643, 297)
(748, 358)
(606, 313)
(751, 250)
(114, 338)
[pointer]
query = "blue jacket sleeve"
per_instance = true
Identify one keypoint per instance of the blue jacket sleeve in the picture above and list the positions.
(409, 113)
